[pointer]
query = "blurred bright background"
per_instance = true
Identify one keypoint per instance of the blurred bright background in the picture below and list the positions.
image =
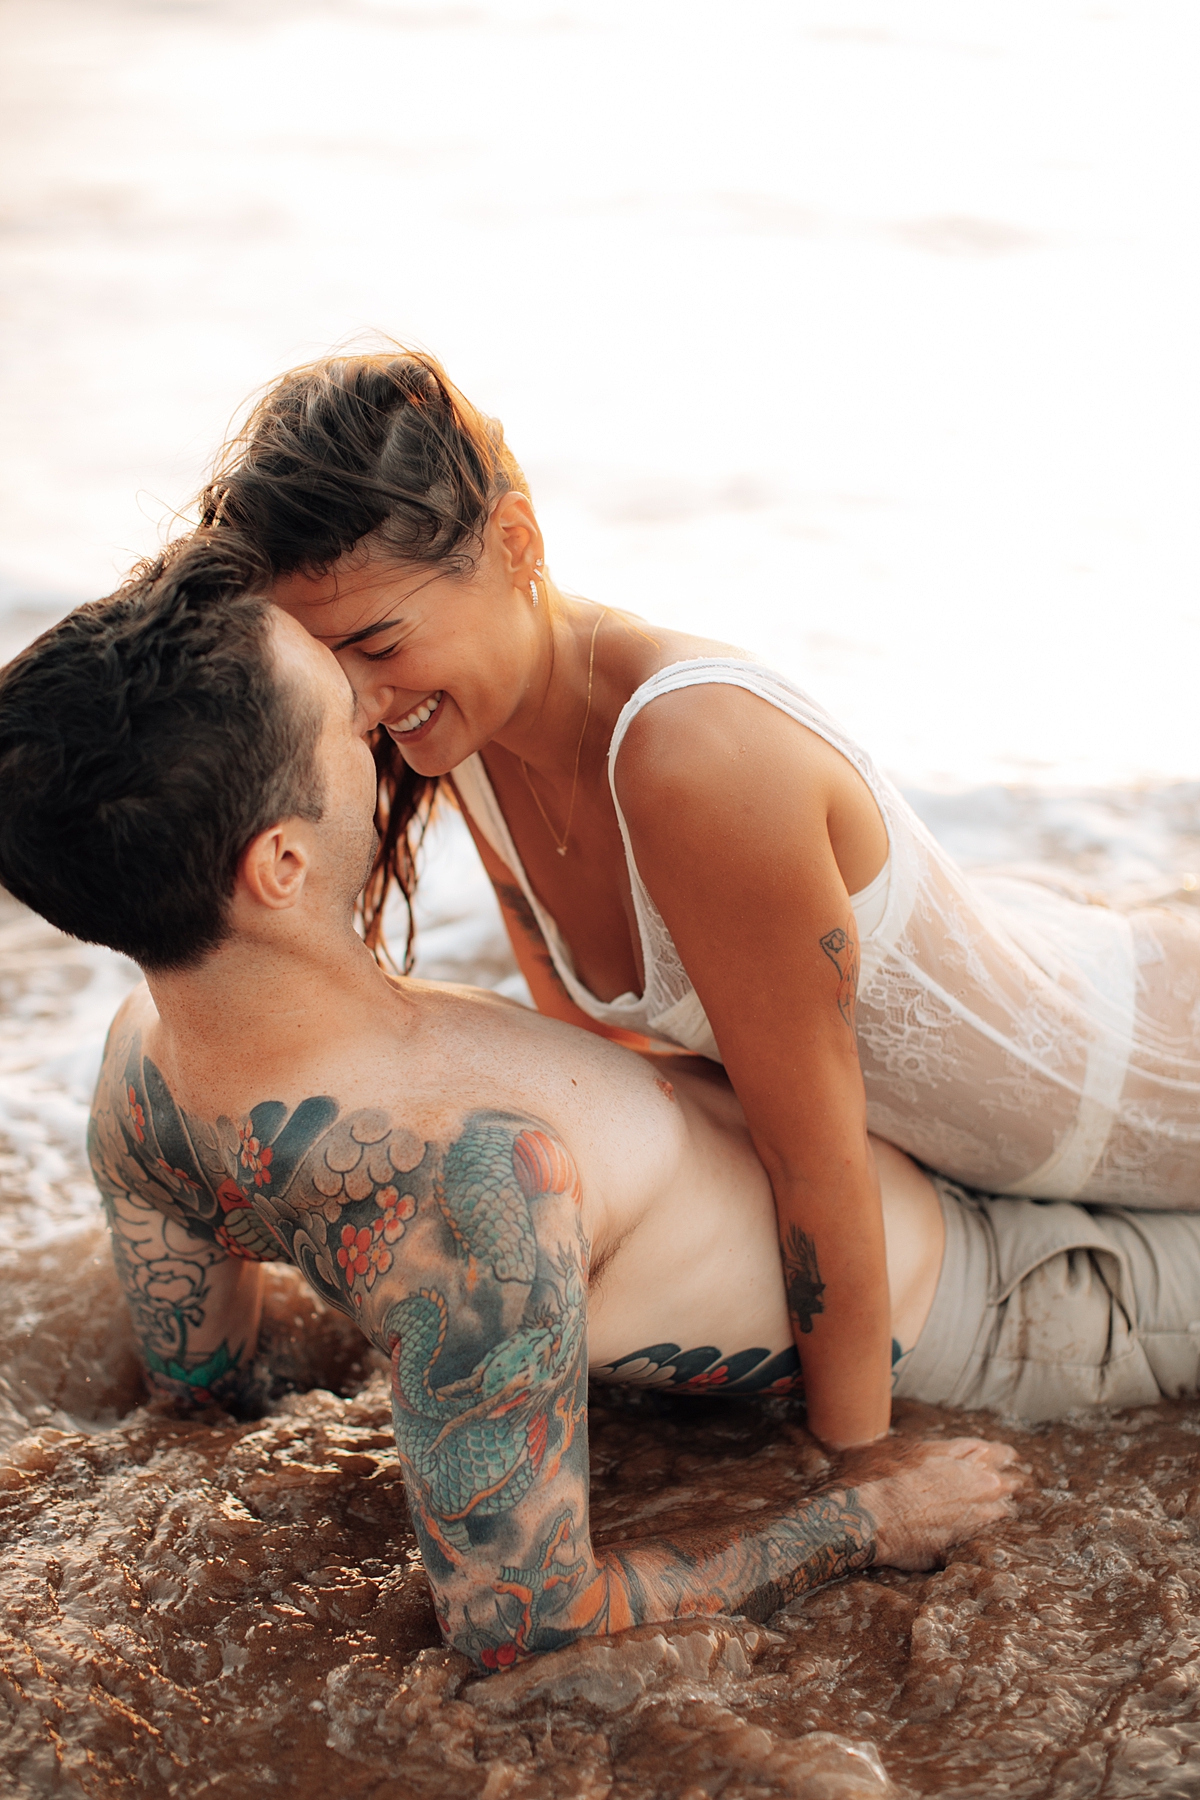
(860, 332)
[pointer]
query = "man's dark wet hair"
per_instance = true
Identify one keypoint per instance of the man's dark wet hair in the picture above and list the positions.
(144, 741)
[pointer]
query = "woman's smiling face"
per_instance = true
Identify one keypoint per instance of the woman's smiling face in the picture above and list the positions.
(442, 660)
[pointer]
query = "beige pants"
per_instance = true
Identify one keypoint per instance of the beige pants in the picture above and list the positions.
(1042, 1307)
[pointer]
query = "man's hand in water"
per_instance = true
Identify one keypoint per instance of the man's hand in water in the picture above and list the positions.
(926, 1497)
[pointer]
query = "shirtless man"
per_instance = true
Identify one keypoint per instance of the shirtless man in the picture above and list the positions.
(498, 1199)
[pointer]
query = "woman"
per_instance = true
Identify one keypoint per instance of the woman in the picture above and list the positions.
(688, 849)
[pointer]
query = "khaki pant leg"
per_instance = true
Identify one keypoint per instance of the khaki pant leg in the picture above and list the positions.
(1161, 1256)
(1037, 1311)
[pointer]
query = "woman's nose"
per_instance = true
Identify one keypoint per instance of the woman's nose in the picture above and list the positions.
(374, 693)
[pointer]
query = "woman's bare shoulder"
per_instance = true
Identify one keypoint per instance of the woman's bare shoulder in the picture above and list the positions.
(666, 646)
(684, 740)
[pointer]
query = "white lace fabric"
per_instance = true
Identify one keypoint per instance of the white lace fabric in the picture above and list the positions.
(1010, 1037)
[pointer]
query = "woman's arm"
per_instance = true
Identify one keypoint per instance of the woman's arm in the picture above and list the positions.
(734, 811)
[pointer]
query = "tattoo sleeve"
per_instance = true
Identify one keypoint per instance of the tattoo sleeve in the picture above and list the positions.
(841, 947)
(179, 1287)
(463, 1258)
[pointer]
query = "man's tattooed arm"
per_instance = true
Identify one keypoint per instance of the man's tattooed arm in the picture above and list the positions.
(194, 1295)
(489, 1396)
(753, 1570)
(195, 1309)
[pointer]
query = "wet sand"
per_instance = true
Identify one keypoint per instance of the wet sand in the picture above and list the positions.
(210, 1608)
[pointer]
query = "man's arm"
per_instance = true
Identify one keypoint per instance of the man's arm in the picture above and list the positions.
(194, 1288)
(485, 1325)
(195, 1309)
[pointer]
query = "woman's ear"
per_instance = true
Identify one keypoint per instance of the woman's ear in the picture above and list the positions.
(274, 866)
(516, 537)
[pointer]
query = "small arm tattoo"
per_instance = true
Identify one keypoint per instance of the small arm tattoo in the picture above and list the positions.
(841, 947)
(802, 1278)
(521, 914)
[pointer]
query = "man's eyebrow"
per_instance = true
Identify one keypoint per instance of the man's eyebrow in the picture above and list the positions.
(356, 637)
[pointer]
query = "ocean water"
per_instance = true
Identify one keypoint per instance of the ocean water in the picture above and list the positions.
(860, 334)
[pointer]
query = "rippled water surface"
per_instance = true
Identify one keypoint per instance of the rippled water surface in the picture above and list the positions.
(209, 1608)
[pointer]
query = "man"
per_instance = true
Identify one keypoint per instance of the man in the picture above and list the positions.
(500, 1200)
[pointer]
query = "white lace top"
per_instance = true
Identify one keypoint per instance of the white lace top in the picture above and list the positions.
(1010, 1037)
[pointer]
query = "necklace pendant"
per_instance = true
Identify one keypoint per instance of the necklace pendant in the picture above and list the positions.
(561, 848)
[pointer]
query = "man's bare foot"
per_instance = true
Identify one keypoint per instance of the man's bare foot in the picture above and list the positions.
(927, 1497)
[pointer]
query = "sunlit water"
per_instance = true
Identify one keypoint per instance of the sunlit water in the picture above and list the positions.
(860, 334)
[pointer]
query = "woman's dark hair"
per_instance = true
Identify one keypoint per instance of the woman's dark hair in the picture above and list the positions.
(384, 452)
(144, 741)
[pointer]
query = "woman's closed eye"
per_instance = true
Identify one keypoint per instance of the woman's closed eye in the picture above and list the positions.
(380, 655)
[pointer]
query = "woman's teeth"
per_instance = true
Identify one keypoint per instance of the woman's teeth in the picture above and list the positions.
(419, 714)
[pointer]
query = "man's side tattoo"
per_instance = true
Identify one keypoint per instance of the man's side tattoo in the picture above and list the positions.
(706, 1370)
(841, 947)
(462, 1256)
(802, 1278)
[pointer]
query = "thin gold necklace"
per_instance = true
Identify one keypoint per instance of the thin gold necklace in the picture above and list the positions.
(560, 843)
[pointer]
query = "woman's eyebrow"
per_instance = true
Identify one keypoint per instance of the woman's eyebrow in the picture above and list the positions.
(356, 637)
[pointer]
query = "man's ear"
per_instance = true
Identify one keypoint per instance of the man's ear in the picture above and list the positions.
(274, 866)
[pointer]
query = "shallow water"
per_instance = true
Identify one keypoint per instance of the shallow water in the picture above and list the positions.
(219, 1609)
(211, 1608)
